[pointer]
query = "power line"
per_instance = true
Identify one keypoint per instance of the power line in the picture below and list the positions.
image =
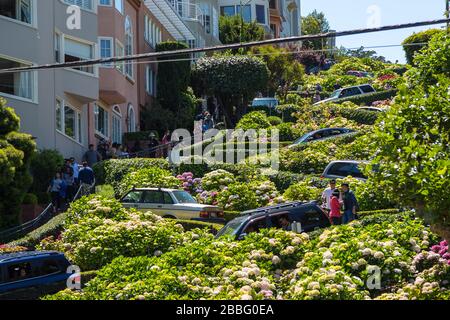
(223, 47)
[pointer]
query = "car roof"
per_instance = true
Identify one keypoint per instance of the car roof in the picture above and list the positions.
(27, 254)
(359, 85)
(320, 130)
(156, 189)
(273, 209)
(348, 161)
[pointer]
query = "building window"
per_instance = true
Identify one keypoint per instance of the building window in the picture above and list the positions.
(101, 120)
(273, 4)
(228, 10)
(106, 49)
(147, 28)
(260, 14)
(119, 5)
(21, 10)
(70, 122)
(120, 53)
(246, 12)
(128, 46)
(57, 47)
(84, 4)
(59, 116)
(78, 51)
(19, 84)
(105, 3)
(131, 119)
(150, 81)
(116, 125)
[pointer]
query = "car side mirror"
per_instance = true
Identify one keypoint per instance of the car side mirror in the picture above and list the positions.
(242, 236)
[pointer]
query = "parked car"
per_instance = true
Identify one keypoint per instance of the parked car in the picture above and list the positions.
(349, 92)
(308, 214)
(343, 169)
(321, 134)
(31, 274)
(272, 103)
(171, 203)
(359, 74)
(374, 109)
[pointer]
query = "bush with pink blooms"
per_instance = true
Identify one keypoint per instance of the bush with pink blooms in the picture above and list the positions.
(190, 184)
(443, 250)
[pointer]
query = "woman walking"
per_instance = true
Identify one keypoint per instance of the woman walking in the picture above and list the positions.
(69, 180)
(55, 188)
(335, 208)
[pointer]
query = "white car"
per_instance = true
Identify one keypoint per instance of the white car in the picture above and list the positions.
(171, 203)
(272, 103)
(348, 92)
(344, 168)
(374, 109)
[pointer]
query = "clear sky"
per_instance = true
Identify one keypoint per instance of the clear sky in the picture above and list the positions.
(355, 14)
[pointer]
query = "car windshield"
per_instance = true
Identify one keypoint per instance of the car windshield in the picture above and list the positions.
(335, 94)
(231, 227)
(302, 138)
(183, 197)
(265, 102)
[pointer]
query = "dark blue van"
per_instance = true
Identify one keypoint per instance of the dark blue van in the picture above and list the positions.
(308, 214)
(31, 274)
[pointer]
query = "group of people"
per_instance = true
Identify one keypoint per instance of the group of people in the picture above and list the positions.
(66, 182)
(207, 121)
(105, 150)
(341, 204)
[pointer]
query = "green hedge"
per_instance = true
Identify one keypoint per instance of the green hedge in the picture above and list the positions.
(283, 179)
(360, 116)
(113, 171)
(51, 228)
(192, 224)
(369, 98)
(376, 212)
(287, 110)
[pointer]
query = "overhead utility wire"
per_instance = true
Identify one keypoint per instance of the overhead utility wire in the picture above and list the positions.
(224, 47)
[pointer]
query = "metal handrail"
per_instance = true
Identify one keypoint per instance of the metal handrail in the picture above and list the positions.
(188, 10)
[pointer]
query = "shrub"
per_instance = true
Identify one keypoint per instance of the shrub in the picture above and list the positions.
(106, 191)
(302, 191)
(360, 116)
(238, 197)
(419, 38)
(51, 228)
(368, 98)
(311, 160)
(287, 111)
(283, 179)
(274, 120)
(217, 180)
(254, 120)
(287, 131)
(44, 164)
(148, 178)
(30, 198)
(113, 171)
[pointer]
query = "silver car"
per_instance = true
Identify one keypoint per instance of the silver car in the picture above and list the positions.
(343, 169)
(348, 92)
(171, 203)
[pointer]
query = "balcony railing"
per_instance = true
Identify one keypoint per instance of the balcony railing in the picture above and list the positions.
(188, 11)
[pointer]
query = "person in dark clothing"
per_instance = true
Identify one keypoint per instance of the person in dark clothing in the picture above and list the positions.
(91, 156)
(350, 204)
(152, 145)
(86, 174)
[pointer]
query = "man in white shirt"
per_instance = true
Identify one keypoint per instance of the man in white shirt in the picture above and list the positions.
(326, 195)
(76, 169)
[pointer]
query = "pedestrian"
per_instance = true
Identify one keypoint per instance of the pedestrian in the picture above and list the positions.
(350, 204)
(54, 188)
(86, 175)
(67, 165)
(112, 152)
(76, 168)
(166, 143)
(103, 148)
(335, 208)
(327, 194)
(69, 180)
(91, 156)
(153, 145)
(208, 122)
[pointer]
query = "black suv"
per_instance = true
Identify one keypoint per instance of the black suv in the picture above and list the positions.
(308, 214)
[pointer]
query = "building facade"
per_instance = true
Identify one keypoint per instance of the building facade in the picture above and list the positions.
(52, 104)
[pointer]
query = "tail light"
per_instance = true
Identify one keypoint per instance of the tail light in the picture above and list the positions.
(219, 214)
(204, 214)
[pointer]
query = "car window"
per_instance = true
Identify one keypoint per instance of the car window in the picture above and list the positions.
(367, 89)
(345, 169)
(167, 198)
(132, 197)
(151, 196)
(311, 216)
(231, 227)
(336, 132)
(255, 226)
(49, 266)
(184, 197)
(19, 271)
(335, 94)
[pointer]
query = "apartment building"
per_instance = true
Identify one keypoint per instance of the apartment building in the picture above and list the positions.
(279, 18)
(52, 104)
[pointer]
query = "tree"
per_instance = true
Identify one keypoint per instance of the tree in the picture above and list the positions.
(284, 70)
(360, 53)
(230, 30)
(314, 23)
(173, 77)
(234, 80)
(16, 150)
(421, 38)
(413, 143)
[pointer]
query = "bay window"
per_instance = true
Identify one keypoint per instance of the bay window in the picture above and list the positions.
(116, 125)
(68, 120)
(120, 53)
(84, 4)
(101, 120)
(78, 51)
(128, 46)
(20, 10)
(19, 84)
